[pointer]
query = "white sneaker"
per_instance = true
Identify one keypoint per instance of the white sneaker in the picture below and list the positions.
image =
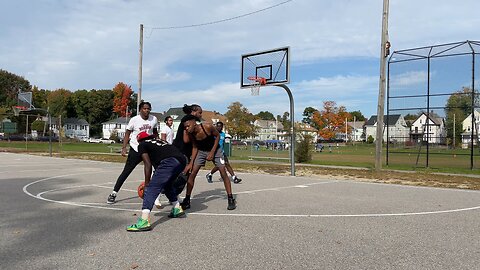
(157, 202)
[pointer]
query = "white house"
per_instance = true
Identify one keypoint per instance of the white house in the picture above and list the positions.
(268, 130)
(118, 125)
(356, 131)
(436, 132)
(398, 130)
(467, 129)
(76, 128)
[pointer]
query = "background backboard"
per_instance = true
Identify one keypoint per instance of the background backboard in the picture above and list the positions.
(273, 65)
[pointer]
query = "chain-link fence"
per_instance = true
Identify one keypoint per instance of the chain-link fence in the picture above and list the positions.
(433, 114)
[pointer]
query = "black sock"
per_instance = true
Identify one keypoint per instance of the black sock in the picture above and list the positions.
(187, 198)
(230, 196)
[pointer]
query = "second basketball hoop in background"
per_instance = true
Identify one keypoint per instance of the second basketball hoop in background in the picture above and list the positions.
(256, 83)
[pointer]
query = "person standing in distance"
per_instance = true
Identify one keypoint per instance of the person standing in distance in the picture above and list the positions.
(229, 168)
(166, 133)
(143, 121)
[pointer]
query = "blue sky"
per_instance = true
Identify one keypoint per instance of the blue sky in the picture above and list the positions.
(334, 46)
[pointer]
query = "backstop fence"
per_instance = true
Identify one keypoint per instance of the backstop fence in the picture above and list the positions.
(433, 117)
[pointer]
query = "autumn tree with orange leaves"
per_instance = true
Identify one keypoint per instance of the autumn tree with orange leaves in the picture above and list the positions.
(330, 120)
(122, 95)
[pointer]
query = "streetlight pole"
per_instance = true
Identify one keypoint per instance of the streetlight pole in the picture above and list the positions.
(139, 94)
(381, 90)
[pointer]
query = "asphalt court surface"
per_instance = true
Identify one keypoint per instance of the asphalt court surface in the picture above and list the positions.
(55, 216)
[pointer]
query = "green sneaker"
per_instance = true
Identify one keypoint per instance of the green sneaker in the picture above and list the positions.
(176, 212)
(140, 226)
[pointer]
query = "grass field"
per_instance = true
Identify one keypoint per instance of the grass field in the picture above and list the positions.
(401, 169)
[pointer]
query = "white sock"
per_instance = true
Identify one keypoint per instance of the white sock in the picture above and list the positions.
(114, 192)
(145, 214)
(234, 176)
(175, 203)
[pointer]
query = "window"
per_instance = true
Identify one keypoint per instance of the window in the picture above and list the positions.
(118, 126)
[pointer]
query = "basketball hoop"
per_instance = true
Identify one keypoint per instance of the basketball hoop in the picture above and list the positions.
(18, 109)
(257, 82)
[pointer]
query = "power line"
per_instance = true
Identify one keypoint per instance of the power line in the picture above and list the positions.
(219, 21)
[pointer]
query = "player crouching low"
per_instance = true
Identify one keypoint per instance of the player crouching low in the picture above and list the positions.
(169, 163)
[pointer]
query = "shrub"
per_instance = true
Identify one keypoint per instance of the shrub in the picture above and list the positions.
(370, 139)
(303, 152)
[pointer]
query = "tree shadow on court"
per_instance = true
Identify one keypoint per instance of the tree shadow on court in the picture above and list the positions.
(36, 233)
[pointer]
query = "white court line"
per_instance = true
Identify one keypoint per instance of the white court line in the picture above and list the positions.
(39, 196)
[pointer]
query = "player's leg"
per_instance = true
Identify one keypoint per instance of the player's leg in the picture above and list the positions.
(199, 162)
(220, 163)
(209, 175)
(229, 168)
(162, 178)
(133, 159)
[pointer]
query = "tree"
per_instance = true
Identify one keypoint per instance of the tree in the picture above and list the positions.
(10, 85)
(285, 120)
(58, 102)
(331, 119)
(308, 117)
(458, 107)
(122, 96)
(40, 97)
(358, 116)
(101, 108)
(265, 115)
(240, 121)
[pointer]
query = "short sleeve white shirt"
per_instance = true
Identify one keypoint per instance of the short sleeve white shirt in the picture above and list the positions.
(169, 132)
(137, 124)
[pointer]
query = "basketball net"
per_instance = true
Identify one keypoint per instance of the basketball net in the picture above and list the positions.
(18, 109)
(257, 82)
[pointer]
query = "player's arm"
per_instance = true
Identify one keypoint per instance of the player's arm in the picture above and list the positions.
(214, 132)
(163, 136)
(189, 167)
(126, 139)
(155, 132)
(147, 168)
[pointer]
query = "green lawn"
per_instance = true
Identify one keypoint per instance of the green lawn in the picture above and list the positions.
(359, 155)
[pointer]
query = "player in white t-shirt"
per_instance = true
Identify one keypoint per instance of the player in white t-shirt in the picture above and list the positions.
(143, 121)
(166, 133)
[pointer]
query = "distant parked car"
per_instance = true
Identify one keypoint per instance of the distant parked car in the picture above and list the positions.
(94, 140)
(107, 141)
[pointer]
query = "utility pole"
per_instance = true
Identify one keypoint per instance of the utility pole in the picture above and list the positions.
(381, 90)
(139, 94)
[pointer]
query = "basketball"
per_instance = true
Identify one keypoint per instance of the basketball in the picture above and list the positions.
(140, 189)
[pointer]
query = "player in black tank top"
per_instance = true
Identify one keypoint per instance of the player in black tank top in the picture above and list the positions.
(205, 139)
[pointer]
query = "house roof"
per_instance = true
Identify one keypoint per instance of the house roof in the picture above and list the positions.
(160, 116)
(209, 116)
(268, 124)
(70, 121)
(176, 113)
(390, 120)
(75, 121)
(119, 120)
(437, 120)
(356, 124)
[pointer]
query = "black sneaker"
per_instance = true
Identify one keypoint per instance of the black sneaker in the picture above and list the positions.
(237, 180)
(185, 204)
(209, 178)
(231, 204)
(111, 198)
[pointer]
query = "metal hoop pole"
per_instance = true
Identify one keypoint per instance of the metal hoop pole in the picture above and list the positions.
(292, 130)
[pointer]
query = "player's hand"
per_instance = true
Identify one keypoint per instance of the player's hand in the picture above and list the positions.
(188, 169)
(210, 157)
(124, 151)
